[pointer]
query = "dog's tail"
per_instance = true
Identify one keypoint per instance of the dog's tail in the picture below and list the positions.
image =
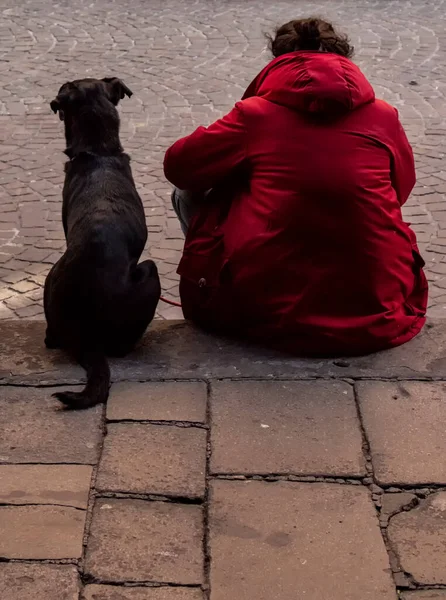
(98, 383)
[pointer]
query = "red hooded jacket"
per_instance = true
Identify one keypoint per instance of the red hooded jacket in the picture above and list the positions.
(301, 243)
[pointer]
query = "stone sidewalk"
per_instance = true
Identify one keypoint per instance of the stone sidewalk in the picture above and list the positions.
(187, 62)
(221, 472)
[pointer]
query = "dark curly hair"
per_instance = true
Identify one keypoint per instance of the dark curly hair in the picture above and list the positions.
(309, 34)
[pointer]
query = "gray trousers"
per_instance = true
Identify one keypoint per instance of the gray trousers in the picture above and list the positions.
(185, 204)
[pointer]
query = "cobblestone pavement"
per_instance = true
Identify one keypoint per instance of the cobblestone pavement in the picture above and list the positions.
(187, 62)
(252, 477)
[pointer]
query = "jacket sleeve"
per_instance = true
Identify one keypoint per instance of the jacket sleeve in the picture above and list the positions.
(207, 156)
(403, 168)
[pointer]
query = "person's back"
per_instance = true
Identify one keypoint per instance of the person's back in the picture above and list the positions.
(302, 242)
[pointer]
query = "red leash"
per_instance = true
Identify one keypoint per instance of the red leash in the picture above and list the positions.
(171, 302)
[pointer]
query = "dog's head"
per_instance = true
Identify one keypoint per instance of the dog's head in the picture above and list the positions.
(75, 94)
(88, 109)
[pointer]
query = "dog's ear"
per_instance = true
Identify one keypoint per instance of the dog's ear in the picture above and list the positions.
(64, 99)
(116, 89)
(55, 105)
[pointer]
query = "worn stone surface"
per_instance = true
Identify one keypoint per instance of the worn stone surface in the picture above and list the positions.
(285, 427)
(175, 349)
(136, 540)
(20, 581)
(22, 352)
(106, 592)
(36, 429)
(39, 532)
(153, 459)
(187, 68)
(270, 539)
(424, 595)
(405, 425)
(66, 485)
(158, 401)
(419, 538)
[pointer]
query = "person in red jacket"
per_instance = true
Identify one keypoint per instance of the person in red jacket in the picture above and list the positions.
(292, 208)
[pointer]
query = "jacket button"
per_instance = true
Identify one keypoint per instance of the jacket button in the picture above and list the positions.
(202, 282)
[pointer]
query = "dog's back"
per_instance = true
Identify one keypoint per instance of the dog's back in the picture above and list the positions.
(102, 211)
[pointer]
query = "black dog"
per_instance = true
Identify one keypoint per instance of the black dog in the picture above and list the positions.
(98, 300)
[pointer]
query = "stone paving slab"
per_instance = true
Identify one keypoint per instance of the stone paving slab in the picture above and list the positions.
(177, 350)
(20, 581)
(285, 427)
(153, 459)
(158, 401)
(282, 540)
(419, 538)
(35, 429)
(67, 485)
(404, 423)
(41, 532)
(105, 592)
(140, 541)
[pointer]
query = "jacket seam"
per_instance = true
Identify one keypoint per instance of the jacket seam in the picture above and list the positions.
(349, 88)
(239, 107)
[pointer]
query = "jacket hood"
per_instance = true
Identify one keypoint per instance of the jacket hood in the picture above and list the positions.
(315, 82)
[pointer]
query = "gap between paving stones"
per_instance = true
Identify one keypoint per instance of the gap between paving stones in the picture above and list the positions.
(22, 504)
(365, 440)
(173, 499)
(290, 477)
(89, 580)
(92, 494)
(41, 561)
(170, 423)
(17, 383)
(206, 510)
(421, 492)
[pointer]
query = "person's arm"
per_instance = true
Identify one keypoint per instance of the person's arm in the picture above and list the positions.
(207, 156)
(403, 168)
